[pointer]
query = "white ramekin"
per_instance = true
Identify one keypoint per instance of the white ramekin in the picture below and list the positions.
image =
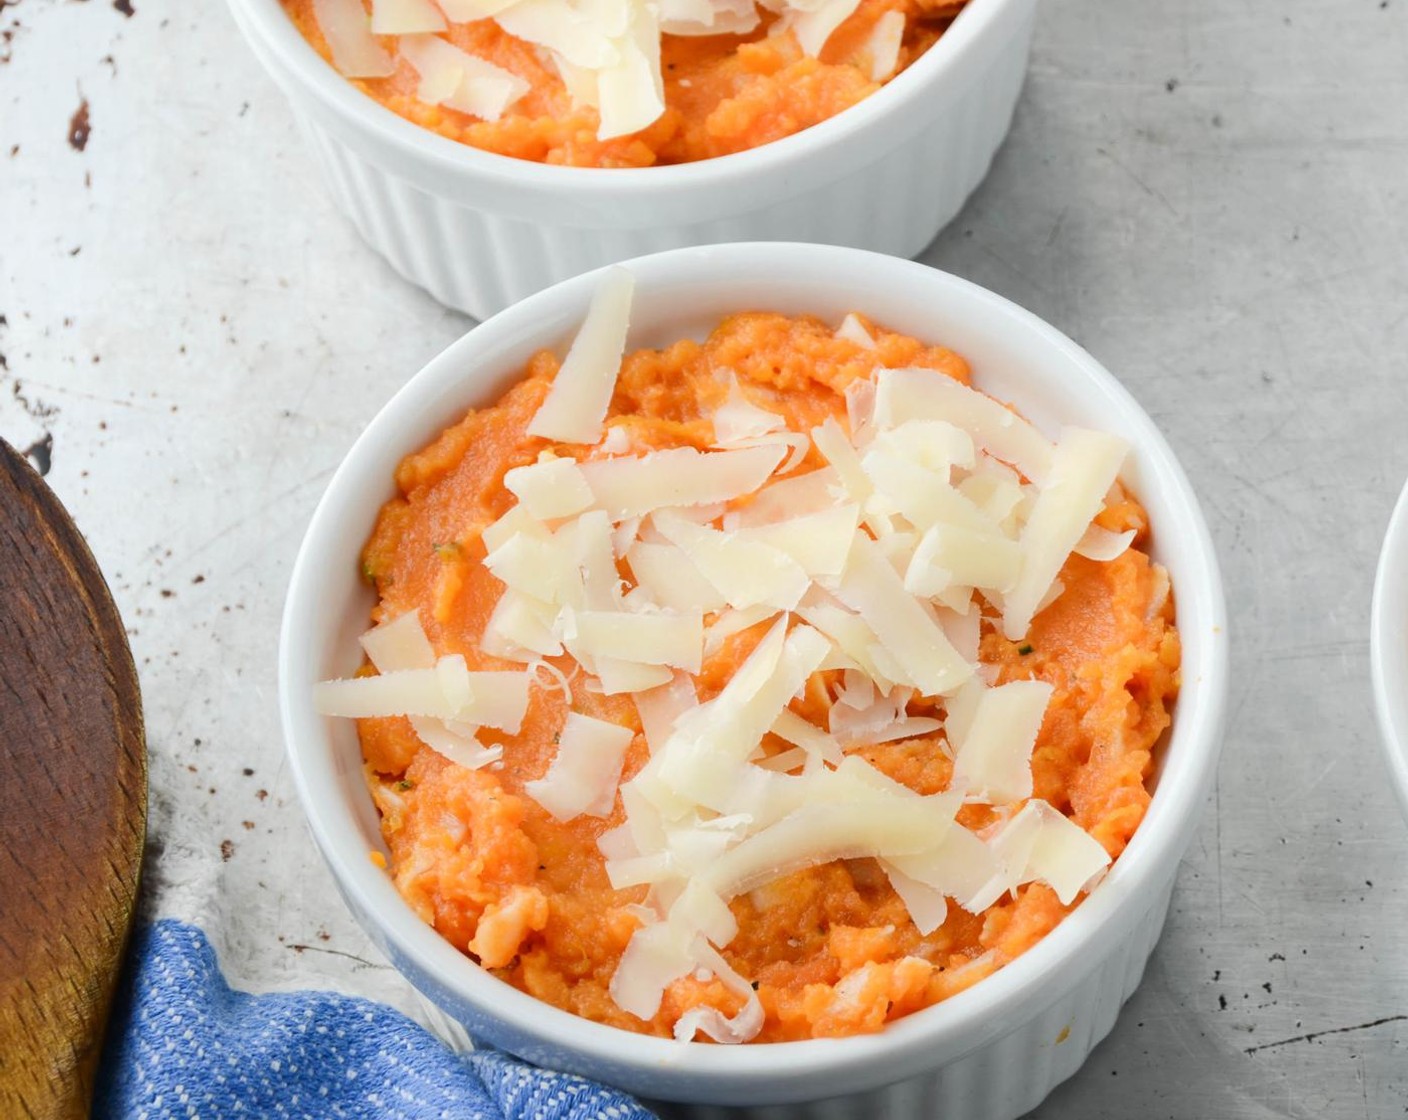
(480, 231)
(990, 1053)
(1388, 646)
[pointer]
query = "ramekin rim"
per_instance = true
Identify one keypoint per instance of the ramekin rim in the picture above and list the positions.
(910, 1042)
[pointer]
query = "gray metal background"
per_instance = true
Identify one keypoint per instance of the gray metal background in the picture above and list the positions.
(1210, 195)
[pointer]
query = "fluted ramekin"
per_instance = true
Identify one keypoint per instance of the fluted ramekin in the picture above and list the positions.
(989, 1053)
(479, 231)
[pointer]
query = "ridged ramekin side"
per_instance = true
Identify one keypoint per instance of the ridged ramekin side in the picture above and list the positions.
(1004, 1078)
(479, 260)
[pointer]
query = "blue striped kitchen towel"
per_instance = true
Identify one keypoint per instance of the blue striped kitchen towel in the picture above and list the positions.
(182, 1043)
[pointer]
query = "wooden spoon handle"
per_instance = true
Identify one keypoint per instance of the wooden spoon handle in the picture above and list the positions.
(73, 772)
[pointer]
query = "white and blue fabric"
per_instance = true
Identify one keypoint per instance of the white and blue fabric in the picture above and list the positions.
(183, 1043)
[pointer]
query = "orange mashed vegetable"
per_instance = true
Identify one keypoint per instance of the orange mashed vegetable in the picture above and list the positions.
(723, 93)
(832, 950)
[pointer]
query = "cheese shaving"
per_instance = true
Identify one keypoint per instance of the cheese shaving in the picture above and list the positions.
(583, 775)
(405, 17)
(681, 476)
(550, 488)
(459, 80)
(738, 418)
(884, 44)
(581, 392)
(992, 756)
(355, 51)
(1083, 468)
(851, 328)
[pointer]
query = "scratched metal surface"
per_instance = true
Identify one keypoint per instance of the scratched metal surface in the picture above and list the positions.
(1211, 195)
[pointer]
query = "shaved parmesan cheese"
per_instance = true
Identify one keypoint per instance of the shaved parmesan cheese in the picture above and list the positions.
(747, 573)
(594, 551)
(819, 542)
(656, 957)
(742, 1027)
(1065, 857)
(925, 394)
(699, 908)
(964, 631)
(576, 404)
(726, 729)
(837, 450)
(731, 622)
(631, 90)
(580, 34)
(1040, 843)
(583, 775)
(813, 28)
(1083, 468)
(788, 498)
(923, 496)
(498, 700)
(796, 444)
(516, 520)
(402, 645)
(1102, 545)
(681, 476)
(820, 833)
(872, 588)
(409, 692)
(783, 761)
(860, 410)
(616, 676)
(466, 11)
(955, 554)
(708, 17)
(927, 905)
(658, 708)
(651, 639)
(792, 727)
(993, 755)
(851, 328)
(539, 569)
(960, 866)
(399, 644)
(516, 631)
(463, 750)
(348, 31)
(446, 691)
(738, 418)
(405, 17)
(459, 80)
(671, 579)
(550, 489)
(883, 46)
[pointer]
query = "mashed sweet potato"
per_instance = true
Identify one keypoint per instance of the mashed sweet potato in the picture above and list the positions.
(831, 950)
(723, 93)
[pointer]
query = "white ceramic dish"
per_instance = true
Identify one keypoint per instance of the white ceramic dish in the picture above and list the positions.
(480, 231)
(991, 1052)
(1388, 646)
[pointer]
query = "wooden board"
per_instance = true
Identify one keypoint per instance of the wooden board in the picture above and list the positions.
(73, 774)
